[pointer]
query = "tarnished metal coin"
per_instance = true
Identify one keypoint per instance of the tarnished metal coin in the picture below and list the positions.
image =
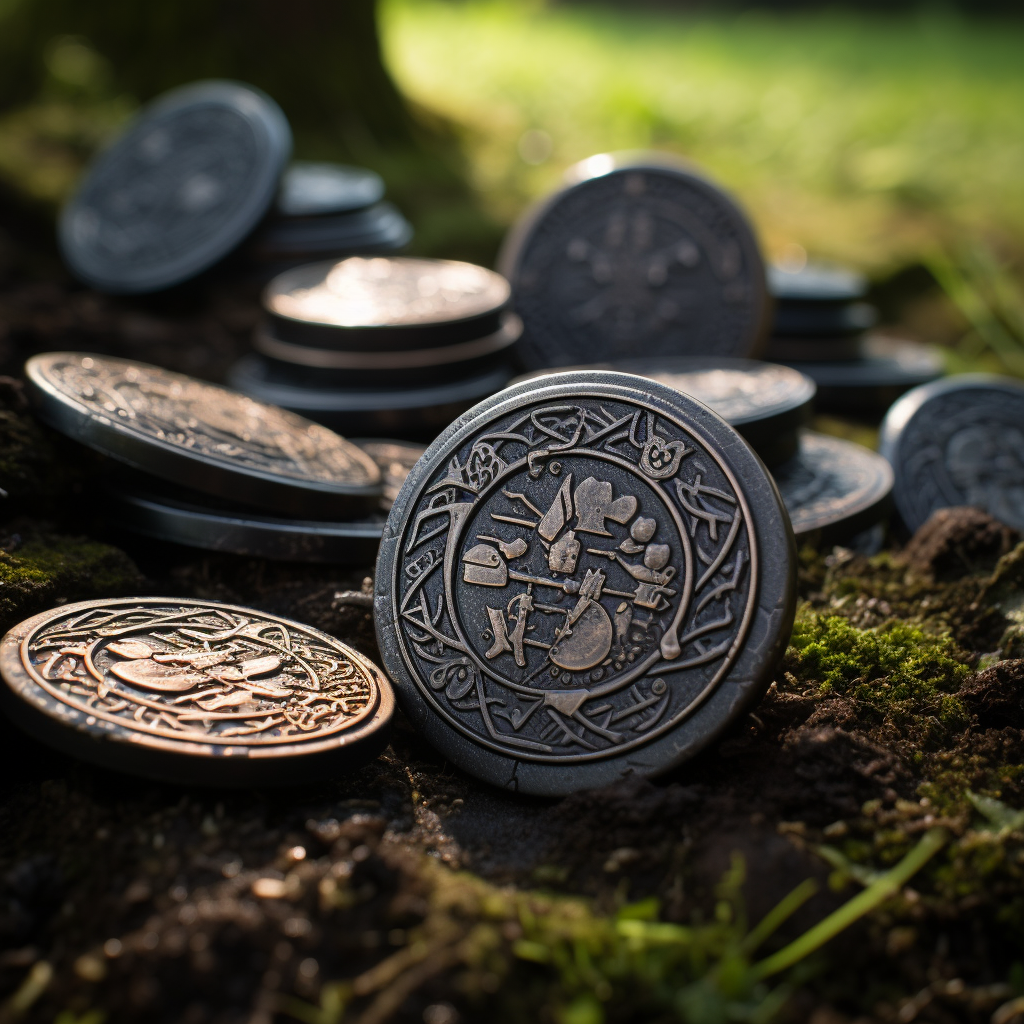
(958, 441)
(766, 403)
(202, 436)
(189, 179)
(379, 228)
(816, 283)
(310, 189)
(385, 303)
(635, 258)
(834, 489)
(395, 458)
(583, 580)
(194, 692)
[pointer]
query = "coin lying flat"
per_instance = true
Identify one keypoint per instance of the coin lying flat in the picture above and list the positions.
(958, 441)
(635, 258)
(194, 692)
(187, 181)
(378, 228)
(310, 189)
(395, 458)
(202, 436)
(816, 283)
(385, 303)
(766, 403)
(582, 580)
(834, 489)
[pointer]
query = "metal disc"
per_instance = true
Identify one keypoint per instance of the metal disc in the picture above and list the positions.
(194, 692)
(382, 226)
(958, 442)
(583, 580)
(834, 489)
(395, 458)
(816, 283)
(766, 403)
(310, 189)
(202, 436)
(380, 303)
(635, 259)
(187, 181)
(805, 319)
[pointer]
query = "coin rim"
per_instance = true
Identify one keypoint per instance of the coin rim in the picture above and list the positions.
(298, 165)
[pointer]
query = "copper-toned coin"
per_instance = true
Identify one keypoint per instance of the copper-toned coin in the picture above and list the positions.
(958, 442)
(395, 458)
(371, 304)
(834, 489)
(202, 436)
(637, 257)
(194, 692)
(583, 578)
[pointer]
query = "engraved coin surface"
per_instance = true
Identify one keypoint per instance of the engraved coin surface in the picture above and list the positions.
(187, 181)
(639, 259)
(395, 459)
(958, 441)
(834, 489)
(310, 189)
(194, 691)
(200, 435)
(583, 577)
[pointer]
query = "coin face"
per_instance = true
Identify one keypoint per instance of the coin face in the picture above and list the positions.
(580, 580)
(958, 441)
(194, 691)
(834, 489)
(200, 435)
(310, 189)
(187, 181)
(638, 260)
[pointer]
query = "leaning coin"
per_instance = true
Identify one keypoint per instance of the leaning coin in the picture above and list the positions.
(637, 257)
(583, 580)
(834, 490)
(182, 187)
(194, 692)
(202, 436)
(958, 441)
(311, 189)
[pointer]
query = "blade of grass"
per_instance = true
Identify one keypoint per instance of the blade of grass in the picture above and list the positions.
(782, 910)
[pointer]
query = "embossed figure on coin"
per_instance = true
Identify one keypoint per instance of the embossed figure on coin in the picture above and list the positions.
(576, 580)
(196, 673)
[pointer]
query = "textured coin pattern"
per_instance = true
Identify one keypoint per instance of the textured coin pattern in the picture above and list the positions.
(637, 262)
(196, 672)
(575, 580)
(203, 419)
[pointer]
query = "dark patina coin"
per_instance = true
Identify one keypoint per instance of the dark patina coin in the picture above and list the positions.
(194, 692)
(635, 259)
(189, 179)
(816, 284)
(378, 229)
(958, 442)
(311, 189)
(395, 459)
(385, 303)
(202, 436)
(583, 580)
(766, 403)
(834, 489)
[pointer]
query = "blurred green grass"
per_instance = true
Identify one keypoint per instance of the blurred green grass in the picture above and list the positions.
(864, 138)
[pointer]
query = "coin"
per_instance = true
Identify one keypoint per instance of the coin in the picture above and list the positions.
(385, 303)
(823, 320)
(766, 403)
(412, 413)
(395, 458)
(832, 348)
(583, 580)
(635, 258)
(202, 436)
(187, 181)
(834, 489)
(816, 283)
(194, 692)
(381, 228)
(958, 442)
(311, 189)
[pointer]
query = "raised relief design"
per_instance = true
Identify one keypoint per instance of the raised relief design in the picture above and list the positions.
(584, 588)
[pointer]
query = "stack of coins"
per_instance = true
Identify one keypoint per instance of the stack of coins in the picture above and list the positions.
(382, 345)
(326, 211)
(196, 464)
(822, 326)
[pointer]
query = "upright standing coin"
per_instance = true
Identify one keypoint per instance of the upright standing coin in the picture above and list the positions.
(958, 441)
(194, 691)
(635, 259)
(319, 189)
(834, 489)
(188, 180)
(202, 436)
(583, 580)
